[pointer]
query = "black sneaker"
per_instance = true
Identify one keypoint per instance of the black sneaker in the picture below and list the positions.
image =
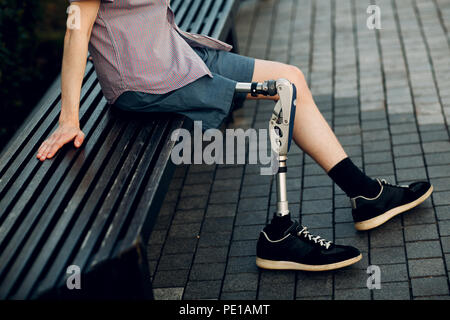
(300, 250)
(392, 200)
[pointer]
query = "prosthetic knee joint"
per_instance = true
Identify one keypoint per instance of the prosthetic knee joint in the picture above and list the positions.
(281, 125)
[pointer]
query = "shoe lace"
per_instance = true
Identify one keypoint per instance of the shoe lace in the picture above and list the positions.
(317, 239)
(383, 181)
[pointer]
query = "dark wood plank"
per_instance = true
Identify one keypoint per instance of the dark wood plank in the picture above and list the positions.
(125, 208)
(70, 212)
(104, 214)
(81, 228)
(34, 121)
(44, 207)
(25, 162)
(147, 199)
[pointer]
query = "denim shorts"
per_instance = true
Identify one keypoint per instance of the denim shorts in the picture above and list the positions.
(207, 99)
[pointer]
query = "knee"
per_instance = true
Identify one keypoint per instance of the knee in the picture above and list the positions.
(296, 76)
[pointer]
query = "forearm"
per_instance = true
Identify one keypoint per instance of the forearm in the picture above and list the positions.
(73, 68)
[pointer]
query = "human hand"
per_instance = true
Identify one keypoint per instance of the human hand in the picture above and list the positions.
(64, 134)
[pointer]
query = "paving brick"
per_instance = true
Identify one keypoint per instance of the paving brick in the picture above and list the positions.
(341, 201)
(438, 171)
(409, 162)
(392, 291)
(369, 136)
(251, 218)
(316, 181)
(175, 261)
(405, 138)
(229, 173)
(444, 227)
(379, 169)
(393, 272)
(429, 286)
(411, 175)
(441, 184)
(169, 279)
(343, 215)
(377, 146)
(256, 179)
(221, 210)
(407, 150)
(195, 190)
(202, 290)
(214, 239)
(434, 136)
(423, 249)
(242, 264)
(387, 255)
(224, 224)
(352, 294)
(377, 157)
(251, 191)
(247, 232)
(437, 146)
(210, 255)
(253, 204)
(317, 220)
(241, 295)
(441, 198)
(419, 215)
(345, 230)
(426, 267)
(188, 216)
(168, 293)
(276, 291)
(434, 159)
(317, 206)
(386, 236)
(188, 230)
(312, 285)
(240, 282)
(421, 232)
(199, 178)
(207, 271)
(350, 278)
(443, 212)
(317, 193)
(243, 248)
(180, 245)
(224, 197)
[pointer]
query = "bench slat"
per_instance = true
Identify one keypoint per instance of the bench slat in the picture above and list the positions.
(126, 204)
(27, 153)
(70, 212)
(84, 218)
(29, 127)
(39, 204)
(147, 199)
(211, 17)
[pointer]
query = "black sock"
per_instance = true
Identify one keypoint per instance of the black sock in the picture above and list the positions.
(278, 226)
(353, 181)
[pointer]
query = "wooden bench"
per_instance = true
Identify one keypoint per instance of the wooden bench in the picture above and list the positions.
(92, 207)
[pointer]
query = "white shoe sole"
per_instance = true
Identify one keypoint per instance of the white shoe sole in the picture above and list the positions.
(379, 220)
(289, 265)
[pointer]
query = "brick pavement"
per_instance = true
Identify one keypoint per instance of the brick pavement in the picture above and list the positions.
(386, 95)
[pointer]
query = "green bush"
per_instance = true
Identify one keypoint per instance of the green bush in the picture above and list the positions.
(31, 40)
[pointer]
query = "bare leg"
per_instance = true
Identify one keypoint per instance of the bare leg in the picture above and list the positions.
(311, 131)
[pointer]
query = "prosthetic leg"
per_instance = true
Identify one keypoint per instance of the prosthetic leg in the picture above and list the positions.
(281, 125)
